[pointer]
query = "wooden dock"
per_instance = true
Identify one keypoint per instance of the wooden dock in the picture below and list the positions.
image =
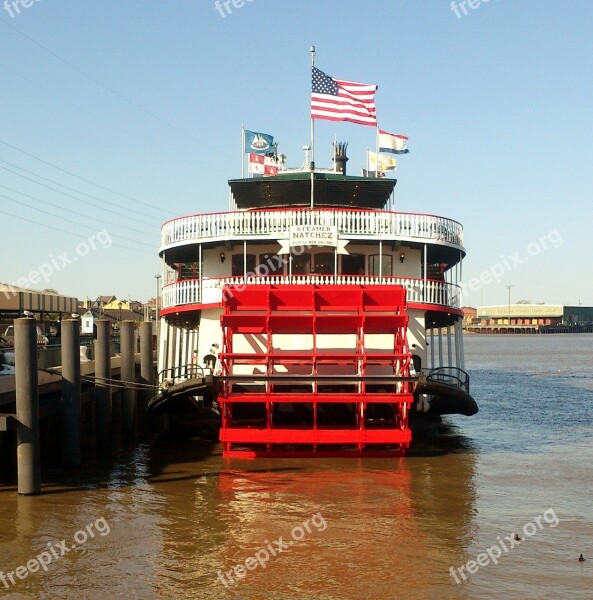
(75, 392)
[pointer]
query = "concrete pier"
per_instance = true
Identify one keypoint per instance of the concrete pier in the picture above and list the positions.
(27, 407)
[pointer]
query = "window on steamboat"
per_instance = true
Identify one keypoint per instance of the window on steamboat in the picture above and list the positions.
(238, 264)
(386, 263)
(271, 264)
(301, 264)
(188, 270)
(353, 264)
(324, 263)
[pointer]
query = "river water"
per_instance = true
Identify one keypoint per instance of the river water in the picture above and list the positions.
(172, 519)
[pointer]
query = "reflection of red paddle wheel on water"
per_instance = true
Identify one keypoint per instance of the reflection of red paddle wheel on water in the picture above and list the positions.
(388, 484)
(260, 506)
(315, 370)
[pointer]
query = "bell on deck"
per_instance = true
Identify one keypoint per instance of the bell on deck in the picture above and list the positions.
(340, 158)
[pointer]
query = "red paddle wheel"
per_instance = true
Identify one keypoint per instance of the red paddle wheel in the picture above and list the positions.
(314, 370)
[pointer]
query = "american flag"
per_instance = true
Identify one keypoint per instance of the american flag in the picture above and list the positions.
(339, 100)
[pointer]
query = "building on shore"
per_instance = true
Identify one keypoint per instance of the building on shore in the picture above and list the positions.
(47, 307)
(112, 308)
(470, 316)
(532, 318)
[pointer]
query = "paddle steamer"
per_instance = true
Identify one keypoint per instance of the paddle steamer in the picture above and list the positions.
(329, 321)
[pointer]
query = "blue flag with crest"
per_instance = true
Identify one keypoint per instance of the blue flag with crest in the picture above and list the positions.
(258, 143)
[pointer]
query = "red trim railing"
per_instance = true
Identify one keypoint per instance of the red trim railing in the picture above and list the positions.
(209, 291)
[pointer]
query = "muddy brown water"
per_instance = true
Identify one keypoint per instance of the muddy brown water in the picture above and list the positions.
(173, 519)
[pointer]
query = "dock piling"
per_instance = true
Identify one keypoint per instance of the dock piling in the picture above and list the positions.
(103, 401)
(146, 357)
(27, 407)
(128, 374)
(71, 391)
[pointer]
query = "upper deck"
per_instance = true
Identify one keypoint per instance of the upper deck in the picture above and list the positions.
(180, 234)
(266, 208)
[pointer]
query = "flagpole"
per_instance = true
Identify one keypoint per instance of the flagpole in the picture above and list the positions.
(335, 142)
(368, 167)
(377, 152)
(242, 151)
(312, 166)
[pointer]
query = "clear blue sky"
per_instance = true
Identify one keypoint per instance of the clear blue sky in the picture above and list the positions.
(497, 106)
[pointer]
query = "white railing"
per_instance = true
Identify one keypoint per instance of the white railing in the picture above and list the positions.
(276, 223)
(418, 291)
(182, 292)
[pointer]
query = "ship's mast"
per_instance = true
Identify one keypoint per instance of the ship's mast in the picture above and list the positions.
(312, 165)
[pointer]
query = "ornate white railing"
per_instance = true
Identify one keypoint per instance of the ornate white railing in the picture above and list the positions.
(210, 292)
(270, 224)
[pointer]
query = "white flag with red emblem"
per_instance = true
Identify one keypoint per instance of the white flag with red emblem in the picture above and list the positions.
(262, 165)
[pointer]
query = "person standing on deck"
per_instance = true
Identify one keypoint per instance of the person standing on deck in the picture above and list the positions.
(211, 358)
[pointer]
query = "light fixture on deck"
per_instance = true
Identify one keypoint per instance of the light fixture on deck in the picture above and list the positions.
(402, 257)
(222, 257)
(306, 149)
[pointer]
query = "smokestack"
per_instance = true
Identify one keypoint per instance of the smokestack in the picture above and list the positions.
(340, 158)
